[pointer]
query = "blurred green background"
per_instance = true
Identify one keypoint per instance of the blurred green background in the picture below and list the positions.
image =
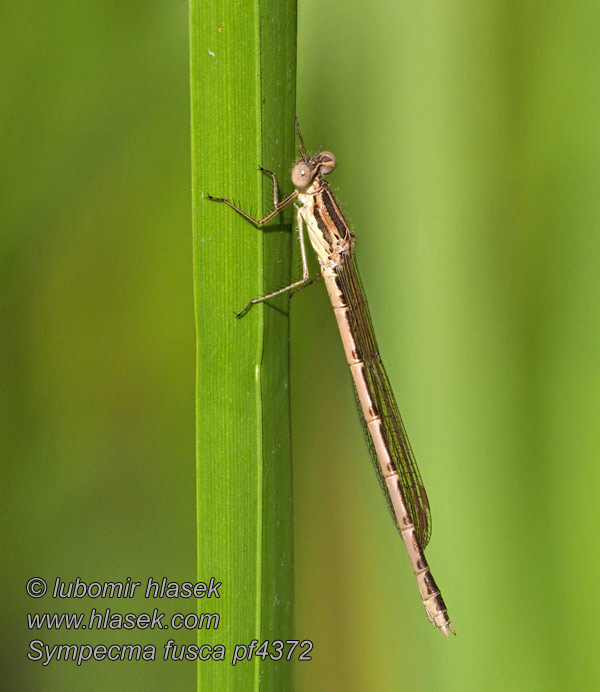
(468, 142)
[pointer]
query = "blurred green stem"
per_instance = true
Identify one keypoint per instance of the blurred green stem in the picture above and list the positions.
(243, 60)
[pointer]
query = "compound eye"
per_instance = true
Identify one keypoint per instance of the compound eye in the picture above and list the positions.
(301, 175)
(327, 162)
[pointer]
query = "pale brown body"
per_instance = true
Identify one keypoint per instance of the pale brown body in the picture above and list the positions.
(394, 461)
(333, 242)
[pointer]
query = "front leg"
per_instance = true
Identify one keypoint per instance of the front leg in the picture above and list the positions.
(278, 206)
(275, 185)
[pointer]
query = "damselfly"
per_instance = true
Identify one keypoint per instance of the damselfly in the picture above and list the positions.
(388, 443)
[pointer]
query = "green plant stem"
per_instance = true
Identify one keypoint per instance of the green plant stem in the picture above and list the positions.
(243, 61)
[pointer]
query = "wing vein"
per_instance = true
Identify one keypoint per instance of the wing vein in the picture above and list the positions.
(394, 432)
